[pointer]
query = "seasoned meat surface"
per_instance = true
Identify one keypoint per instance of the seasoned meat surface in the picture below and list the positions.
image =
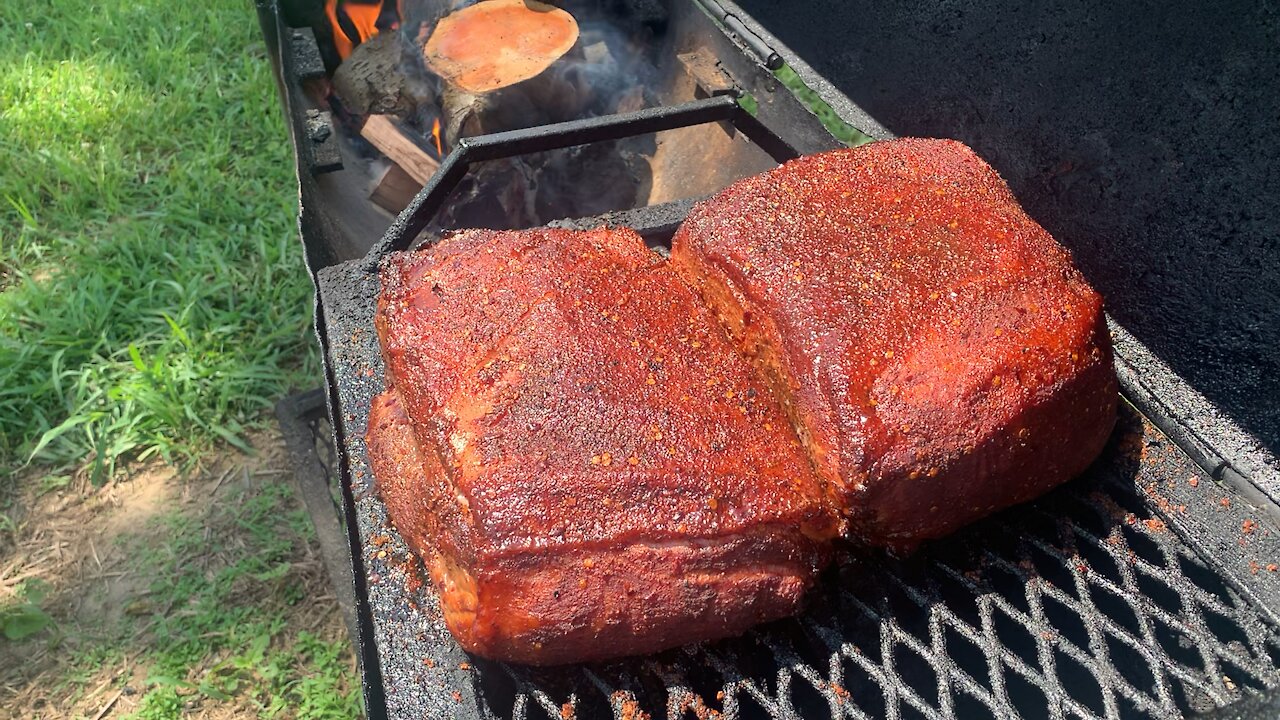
(598, 452)
(575, 447)
(936, 349)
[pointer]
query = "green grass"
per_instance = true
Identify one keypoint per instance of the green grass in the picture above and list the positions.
(153, 301)
(152, 296)
(214, 622)
(216, 626)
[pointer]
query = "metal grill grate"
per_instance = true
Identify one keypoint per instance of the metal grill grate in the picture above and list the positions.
(1132, 592)
(1143, 589)
(1083, 605)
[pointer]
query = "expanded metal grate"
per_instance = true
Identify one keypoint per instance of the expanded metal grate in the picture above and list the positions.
(1085, 604)
(1143, 589)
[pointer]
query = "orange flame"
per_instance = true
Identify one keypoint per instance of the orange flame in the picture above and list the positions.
(362, 18)
(435, 135)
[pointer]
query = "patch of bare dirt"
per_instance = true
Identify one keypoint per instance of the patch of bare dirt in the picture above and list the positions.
(80, 543)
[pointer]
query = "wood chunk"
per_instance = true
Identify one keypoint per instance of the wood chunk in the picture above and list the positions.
(709, 78)
(383, 76)
(385, 134)
(394, 190)
(497, 43)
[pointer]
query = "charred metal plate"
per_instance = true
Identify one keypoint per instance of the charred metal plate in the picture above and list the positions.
(307, 63)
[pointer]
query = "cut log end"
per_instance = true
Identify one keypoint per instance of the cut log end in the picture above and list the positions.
(497, 43)
(394, 190)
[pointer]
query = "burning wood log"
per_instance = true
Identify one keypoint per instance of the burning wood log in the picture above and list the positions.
(383, 76)
(384, 133)
(463, 112)
(355, 21)
(550, 97)
(498, 43)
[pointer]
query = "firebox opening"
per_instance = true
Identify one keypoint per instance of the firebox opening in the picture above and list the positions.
(395, 118)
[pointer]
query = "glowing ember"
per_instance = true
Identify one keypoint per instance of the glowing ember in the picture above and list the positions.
(355, 21)
(435, 135)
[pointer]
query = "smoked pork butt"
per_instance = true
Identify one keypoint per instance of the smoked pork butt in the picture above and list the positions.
(935, 348)
(575, 448)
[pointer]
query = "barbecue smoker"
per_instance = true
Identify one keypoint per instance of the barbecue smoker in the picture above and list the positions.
(1147, 588)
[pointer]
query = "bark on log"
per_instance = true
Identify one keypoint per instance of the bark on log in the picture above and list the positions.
(382, 76)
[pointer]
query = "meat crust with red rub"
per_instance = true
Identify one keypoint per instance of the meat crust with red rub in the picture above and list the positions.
(575, 448)
(935, 348)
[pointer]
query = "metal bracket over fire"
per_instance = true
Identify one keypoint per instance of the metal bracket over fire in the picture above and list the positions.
(721, 108)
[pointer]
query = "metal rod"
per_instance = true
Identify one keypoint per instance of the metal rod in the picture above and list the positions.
(597, 129)
(424, 206)
(780, 150)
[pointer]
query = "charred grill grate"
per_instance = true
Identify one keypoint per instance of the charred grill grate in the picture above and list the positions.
(1143, 589)
(1096, 601)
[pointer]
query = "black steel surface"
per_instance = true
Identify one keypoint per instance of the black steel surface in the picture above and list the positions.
(766, 55)
(304, 424)
(1145, 588)
(1143, 136)
(307, 63)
